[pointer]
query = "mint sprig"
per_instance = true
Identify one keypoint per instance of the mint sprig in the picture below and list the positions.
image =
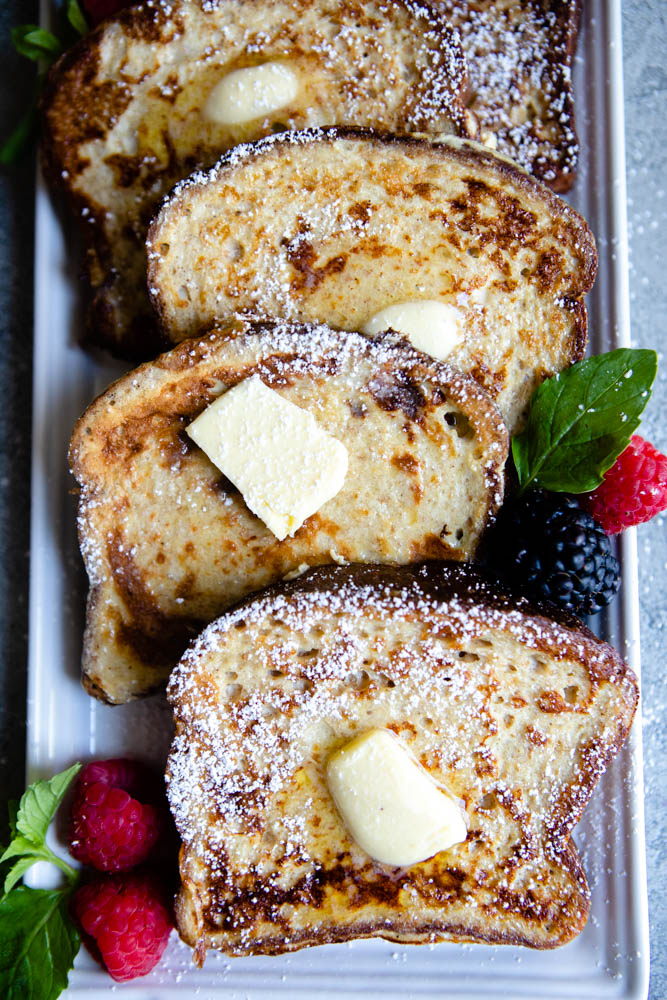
(76, 18)
(29, 824)
(38, 944)
(43, 47)
(36, 43)
(582, 419)
(38, 940)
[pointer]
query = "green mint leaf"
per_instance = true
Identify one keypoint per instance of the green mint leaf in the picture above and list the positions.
(30, 854)
(39, 803)
(76, 18)
(12, 809)
(21, 846)
(36, 43)
(582, 419)
(18, 141)
(38, 944)
(17, 872)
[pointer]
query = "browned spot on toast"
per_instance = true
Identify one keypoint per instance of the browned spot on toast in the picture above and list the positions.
(408, 463)
(303, 258)
(397, 391)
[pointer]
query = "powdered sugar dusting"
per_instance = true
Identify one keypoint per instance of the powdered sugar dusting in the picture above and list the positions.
(268, 690)
(520, 74)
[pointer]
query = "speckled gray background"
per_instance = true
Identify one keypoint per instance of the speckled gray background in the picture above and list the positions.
(645, 68)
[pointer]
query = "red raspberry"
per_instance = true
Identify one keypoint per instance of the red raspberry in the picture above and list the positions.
(633, 491)
(125, 923)
(112, 826)
(97, 10)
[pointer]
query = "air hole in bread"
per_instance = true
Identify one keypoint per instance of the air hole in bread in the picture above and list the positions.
(511, 668)
(468, 657)
(239, 626)
(184, 293)
(164, 248)
(235, 250)
(357, 408)
(386, 681)
(308, 654)
(233, 692)
(460, 423)
(570, 694)
(484, 642)
(474, 252)
(359, 680)
(509, 721)
(488, 801)
(276, 673)
(269, 712)
(303, 684)
(539, 666)
(232, 675)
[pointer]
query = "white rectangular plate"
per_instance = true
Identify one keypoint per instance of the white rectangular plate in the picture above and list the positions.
(610, 958)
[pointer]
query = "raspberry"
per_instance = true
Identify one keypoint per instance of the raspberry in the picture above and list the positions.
(111, 826)
(633, 491)
(97, 10)
(125, 923)
(554, 550)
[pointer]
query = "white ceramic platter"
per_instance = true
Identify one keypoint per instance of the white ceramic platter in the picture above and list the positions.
(610, 958)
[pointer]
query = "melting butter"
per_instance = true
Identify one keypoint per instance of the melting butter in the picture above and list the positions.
(390, 804)
(285, 465)
(433, 327)
(252, 92)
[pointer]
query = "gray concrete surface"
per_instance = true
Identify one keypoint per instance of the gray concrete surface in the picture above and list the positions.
(645, 78)
(645, 62)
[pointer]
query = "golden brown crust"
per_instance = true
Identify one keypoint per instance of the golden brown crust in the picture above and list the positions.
(122, 113)
(375, 217)
(521, 59)
(169, 542)
(459, 667)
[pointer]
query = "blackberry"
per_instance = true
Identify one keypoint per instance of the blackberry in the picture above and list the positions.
(549, 547)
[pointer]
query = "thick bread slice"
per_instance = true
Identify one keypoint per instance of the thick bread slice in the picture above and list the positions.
(123, 112)
(520, 58)
(334, 225)
(514, 713)
(169, 543)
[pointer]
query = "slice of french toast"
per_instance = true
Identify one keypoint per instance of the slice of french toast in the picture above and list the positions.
(169, 542)
(520, 58)
(335, 225)
(514, 709)
(127, 112)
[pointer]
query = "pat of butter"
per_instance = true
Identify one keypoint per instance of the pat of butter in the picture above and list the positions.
(285, 466)
(431, 326)
(245, 94)
(389, 803)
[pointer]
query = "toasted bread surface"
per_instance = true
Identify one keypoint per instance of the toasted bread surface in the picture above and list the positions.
(514, 712)
(520, 58)
(123, 112)
(334, 225)
(169, 543)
